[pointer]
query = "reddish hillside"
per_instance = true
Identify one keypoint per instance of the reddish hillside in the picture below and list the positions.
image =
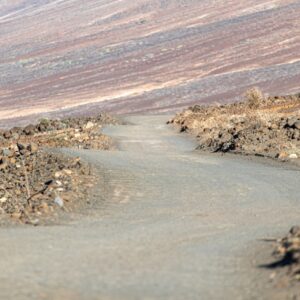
(143, 55)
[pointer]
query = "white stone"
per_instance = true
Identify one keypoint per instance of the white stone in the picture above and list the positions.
(3, 199)
(59, 201)
(68, 172)
(89, 125)
(57, 174)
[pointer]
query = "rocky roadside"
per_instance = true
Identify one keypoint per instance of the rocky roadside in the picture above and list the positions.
(37, 184)
(262, 126)
(81, 132)
(285, 266)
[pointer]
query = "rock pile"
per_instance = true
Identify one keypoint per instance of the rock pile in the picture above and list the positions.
(36, 182)
(259, 126)
(81, 132)
(31, 180)
(287, 253)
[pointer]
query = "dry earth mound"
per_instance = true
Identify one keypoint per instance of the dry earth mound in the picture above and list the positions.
(265, 126)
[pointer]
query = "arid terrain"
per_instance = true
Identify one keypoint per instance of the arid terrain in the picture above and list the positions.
(36, 183)
(142, 56)
(166, 223)
(153, 217)
(262, 126)
(259, 125)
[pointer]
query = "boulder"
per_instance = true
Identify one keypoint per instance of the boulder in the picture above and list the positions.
(291, 122)
(89, 125)
(29, 130)
(33, 148)
(7, 134)
(3, 163)
(22, 148)
(297, 124)
(7, 152)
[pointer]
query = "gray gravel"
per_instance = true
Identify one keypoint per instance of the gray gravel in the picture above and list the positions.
(169, 223)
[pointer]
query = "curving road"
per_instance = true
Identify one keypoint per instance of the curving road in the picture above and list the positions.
(168, 223)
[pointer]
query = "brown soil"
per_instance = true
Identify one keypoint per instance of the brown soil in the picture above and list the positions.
(263, 126)
(36, 183)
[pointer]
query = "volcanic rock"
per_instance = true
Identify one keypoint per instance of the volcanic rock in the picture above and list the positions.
(265, 126)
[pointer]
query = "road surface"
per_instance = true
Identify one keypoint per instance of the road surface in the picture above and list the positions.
(168, 223)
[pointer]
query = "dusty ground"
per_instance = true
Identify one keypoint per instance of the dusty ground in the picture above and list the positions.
(140, 56)
(35, 183)
(159, 228)
(260, 125)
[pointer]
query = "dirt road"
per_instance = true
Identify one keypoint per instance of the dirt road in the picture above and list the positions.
(169, 223)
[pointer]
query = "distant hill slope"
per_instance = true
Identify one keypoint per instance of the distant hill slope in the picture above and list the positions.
(143, 55)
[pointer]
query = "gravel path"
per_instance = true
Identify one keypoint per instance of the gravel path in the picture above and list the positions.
(169, 223)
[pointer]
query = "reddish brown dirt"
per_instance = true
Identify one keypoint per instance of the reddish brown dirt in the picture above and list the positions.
(143, 56)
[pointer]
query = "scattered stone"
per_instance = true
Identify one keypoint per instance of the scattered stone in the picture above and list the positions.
(21, 146)
(59, 201)
(34, 222)
(33, 148)
(3, 199)
(297, 124)
(287, 253)
(25, 185)
(57, 174)
(283, 155)
(7, 134)
(80, 132)
(67, 172)
(89, 125)
(291, 122)
(6, 152)
(48, 182)
(262, 126)
(31, 178)
(29, 130)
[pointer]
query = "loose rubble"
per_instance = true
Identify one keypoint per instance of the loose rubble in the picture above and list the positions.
(264, 126)
(287, 254)
(82, 132)
(36, 182)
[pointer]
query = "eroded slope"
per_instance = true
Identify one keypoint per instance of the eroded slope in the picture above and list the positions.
(131, 56)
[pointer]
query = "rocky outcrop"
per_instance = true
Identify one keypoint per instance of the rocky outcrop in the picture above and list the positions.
(259, 126)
